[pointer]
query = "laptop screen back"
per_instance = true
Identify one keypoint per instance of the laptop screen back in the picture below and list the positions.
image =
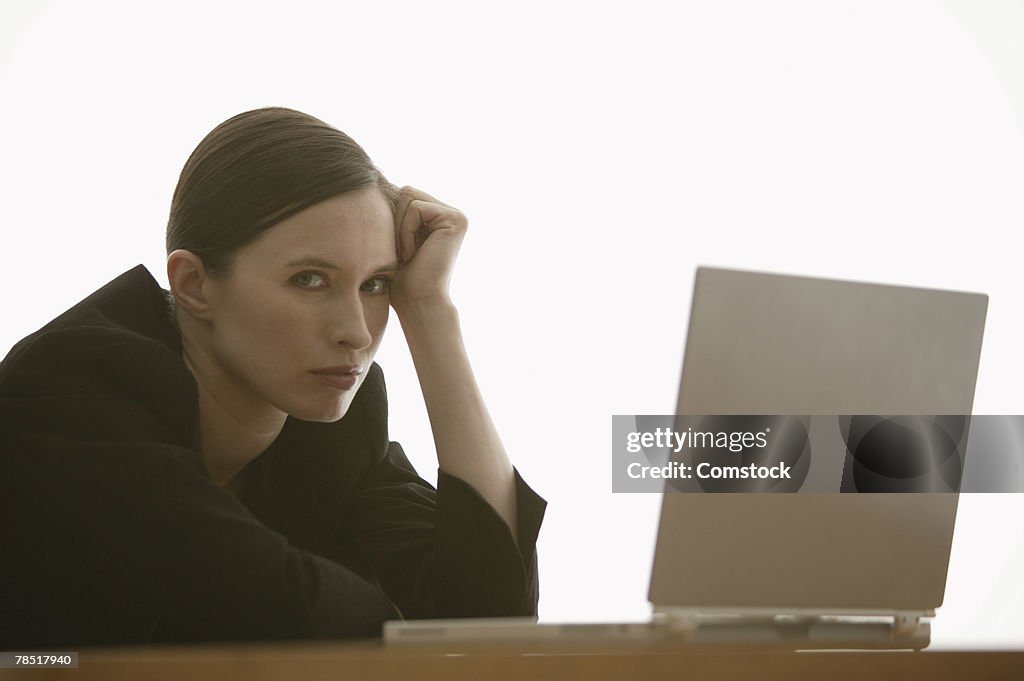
(771, 344)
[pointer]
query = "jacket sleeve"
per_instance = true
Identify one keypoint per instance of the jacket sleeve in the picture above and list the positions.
(103, 470)
(441, 552)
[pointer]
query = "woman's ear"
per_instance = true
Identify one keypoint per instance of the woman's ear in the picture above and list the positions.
(187, 277)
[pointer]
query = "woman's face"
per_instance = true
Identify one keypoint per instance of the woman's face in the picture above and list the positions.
(300, 315)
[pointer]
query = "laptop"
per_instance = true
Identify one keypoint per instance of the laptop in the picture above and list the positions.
(801, 570)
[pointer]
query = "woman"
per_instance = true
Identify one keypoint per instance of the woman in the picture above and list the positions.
(212, 462)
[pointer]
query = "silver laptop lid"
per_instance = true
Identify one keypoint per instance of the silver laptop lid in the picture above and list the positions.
(771, 344)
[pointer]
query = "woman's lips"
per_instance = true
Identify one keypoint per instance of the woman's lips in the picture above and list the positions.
(342, 378)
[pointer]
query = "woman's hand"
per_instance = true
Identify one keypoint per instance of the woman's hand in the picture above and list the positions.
(429, 234)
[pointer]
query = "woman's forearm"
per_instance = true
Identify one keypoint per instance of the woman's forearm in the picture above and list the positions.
(467, 443)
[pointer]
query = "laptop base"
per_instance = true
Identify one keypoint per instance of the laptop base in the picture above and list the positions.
(789, 632)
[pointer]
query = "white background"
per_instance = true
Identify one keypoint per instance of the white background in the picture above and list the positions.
(601, 153)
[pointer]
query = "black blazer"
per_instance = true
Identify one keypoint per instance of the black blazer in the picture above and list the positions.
(114, 534)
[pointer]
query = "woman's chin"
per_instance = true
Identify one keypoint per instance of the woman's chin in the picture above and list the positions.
(324, 413)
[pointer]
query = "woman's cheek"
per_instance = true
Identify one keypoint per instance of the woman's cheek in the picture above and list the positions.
(279, 320)
(377, 320)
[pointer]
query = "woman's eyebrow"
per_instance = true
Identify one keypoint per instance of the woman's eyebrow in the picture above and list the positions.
(313, 261)
(392, 266)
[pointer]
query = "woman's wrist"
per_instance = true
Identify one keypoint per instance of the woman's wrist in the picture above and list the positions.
(427, 314)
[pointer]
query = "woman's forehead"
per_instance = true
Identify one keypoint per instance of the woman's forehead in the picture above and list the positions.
(352, 230)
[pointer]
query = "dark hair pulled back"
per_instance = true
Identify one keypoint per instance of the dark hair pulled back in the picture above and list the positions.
(257, 169)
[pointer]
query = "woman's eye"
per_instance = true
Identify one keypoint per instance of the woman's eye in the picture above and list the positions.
(311, 280)
(376, 286)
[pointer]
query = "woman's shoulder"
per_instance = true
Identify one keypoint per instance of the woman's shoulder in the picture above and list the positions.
(119, 335)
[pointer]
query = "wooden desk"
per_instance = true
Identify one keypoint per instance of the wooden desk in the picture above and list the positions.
(373, 661)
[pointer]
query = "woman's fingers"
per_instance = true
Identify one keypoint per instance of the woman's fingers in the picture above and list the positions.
(420, 214)
(406, 196)
(414, 193)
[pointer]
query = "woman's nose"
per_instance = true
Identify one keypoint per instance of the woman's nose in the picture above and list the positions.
(349, 327)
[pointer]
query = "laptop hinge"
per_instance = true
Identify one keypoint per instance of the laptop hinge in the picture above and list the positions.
(906, 624)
